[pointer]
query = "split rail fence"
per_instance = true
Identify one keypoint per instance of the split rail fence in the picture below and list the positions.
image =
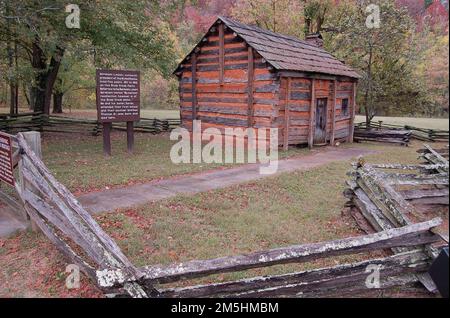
(397, 133)
(51, 123)
(388, 196)
(58, 214)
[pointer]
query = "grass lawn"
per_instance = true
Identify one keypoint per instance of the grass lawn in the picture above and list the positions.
(78, 161)
(291, 208)
(429, 123)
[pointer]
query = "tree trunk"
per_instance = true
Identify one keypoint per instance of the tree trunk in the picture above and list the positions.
(32, 99)
(10, 54)
(45, 77)
(274, 9)
(12, 104)
(16, 83)
(57, 102)
(25, 94)
(368, 93)
(366, 111)
(39, 65)
(52, 74)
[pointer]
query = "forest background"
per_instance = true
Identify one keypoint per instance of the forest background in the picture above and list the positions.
(46, 66)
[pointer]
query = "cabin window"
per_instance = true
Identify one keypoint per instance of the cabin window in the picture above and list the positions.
(344, 107)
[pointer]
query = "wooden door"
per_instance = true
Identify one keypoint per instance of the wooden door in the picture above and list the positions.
(320, 131)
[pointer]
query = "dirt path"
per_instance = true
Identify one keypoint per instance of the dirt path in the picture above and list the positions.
(109, 200)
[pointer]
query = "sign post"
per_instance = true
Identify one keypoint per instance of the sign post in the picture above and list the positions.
(6, 162)
(118, 100)
(106, 130)
(130, 136)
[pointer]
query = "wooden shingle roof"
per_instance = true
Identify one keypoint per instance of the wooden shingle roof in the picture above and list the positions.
(287, 53)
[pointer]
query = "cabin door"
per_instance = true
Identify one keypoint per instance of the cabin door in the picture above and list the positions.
(320, 132)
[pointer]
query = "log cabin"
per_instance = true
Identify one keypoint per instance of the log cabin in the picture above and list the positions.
(244, 76)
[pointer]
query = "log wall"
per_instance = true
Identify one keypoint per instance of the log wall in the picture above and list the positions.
(343, 121)
(222, 95)
(232, 86)
(299, 103)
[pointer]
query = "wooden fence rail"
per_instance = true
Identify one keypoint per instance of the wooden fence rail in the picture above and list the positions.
(421, 134)
(413, 235)
(58, 214)
(379, 194)
(331, 280)
(394, 136)
(373, 188)
(65, 222)
(44, 123)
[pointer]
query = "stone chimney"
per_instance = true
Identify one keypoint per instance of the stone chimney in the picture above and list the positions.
(315, 39)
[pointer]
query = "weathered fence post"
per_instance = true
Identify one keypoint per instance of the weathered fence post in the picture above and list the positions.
(33, 139)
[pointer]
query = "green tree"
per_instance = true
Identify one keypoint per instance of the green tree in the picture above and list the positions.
(76, 73)
(315, 14)
(116, 33)
(433, 68)
(384, 56)
(284, 16)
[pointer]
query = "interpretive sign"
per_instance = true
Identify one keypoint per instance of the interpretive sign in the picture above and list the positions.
(118, 96)
(118, 100)
(6, 162)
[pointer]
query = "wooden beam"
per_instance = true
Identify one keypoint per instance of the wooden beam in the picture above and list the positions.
(194, 86)
(371, 212)
(333, 113)
(221, 53)
(389, 201)
(33, 139)
(286, 115)
(411, 235)
(66, 199)
(313, 281)
(250, 79)
(312, 114)
(351, 285)
(352, 117)
(295, 74)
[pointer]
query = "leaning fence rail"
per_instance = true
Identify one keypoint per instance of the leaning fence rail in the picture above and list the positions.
(410, 236)
(386, 195)
(58, 214)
